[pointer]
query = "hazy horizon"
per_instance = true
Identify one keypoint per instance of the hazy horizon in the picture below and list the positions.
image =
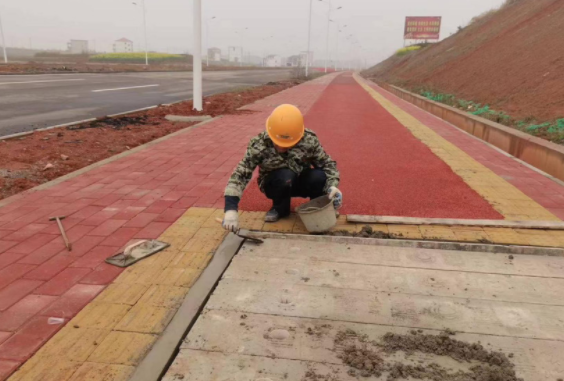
(261, 27)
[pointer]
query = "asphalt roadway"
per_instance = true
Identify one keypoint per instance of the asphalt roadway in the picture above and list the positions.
(29, 102)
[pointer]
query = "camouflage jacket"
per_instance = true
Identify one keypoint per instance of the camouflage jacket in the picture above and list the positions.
(261, 152)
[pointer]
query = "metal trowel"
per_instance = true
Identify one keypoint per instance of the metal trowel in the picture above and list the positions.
(244, 233)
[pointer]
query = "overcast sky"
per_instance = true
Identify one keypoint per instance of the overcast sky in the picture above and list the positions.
(377, 25)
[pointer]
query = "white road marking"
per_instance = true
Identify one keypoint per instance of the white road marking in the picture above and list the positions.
(123, 88)
(52, 80)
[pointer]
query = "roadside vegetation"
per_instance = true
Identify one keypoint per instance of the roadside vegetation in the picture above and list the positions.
(550, 130)
(407, 50)
(138, 57)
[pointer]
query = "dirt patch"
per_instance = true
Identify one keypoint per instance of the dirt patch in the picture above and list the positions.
(367, 357)
(35, 159)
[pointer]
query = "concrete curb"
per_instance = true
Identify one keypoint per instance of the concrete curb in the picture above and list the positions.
(110, 159)
(158, 360)
(181, 118)
(19, 134)
(543, 155)
(132, 111)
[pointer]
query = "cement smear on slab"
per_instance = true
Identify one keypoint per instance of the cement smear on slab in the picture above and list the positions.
(367, 358)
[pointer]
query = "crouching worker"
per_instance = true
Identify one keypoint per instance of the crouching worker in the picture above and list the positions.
(292, 163)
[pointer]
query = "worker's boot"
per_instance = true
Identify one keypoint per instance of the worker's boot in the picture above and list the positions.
(272, 216)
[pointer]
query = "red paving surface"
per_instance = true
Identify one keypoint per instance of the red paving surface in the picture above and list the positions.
(138, 196)
(384, 169)
(543, 190)
(141, 195)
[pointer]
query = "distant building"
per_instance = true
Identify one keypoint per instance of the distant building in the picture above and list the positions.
(77, 46)
(214, 54)
(273, 60)
(293, 61)
(235, 54)
(123, 45)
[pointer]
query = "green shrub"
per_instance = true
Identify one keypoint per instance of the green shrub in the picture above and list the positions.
(407, 50)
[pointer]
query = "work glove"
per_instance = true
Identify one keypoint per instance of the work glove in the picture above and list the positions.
(231, 221)
(337, 196)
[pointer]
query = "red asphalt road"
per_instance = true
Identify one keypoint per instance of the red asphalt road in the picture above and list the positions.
(384, 169)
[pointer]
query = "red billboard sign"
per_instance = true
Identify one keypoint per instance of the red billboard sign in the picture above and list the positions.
(422, 28)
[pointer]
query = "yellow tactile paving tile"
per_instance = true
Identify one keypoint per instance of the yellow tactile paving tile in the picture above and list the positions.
(122, 293)
(405, 231)
(91, 371)
(146, 318)
(252, 220)
(114, 332)
(124, 348)
(77, 343)
(437, 233)
(284, 225)
(484, 181)
(51, 369)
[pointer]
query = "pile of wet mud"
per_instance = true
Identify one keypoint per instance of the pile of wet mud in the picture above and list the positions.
(367, 358)
(366, 232)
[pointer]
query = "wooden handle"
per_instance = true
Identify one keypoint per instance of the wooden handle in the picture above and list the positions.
(65, 238)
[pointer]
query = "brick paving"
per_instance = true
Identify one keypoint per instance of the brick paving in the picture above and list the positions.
(138, 196)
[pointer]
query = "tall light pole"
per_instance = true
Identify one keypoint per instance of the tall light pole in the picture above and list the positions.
(328, 29)
(197, 57)
(338, 35)
(145, 31)
(208, 40)
(3, 42)
(308, 40)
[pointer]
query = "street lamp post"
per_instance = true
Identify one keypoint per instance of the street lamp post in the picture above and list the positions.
(144, 30)
(208, 40)
(197, 57)
(338, 35)
(308, 40)
(3, 42)
(328, 29)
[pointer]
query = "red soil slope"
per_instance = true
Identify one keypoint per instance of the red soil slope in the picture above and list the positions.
(512, 59)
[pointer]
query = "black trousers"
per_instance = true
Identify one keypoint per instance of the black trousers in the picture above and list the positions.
(283, 184)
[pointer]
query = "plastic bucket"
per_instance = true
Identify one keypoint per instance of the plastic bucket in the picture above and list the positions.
(318, 215)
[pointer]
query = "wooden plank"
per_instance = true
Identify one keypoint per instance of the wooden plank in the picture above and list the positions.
(312, 340)
(299, 250)
(206, 366)
(391, 220)
(413, 281)
(417, 311)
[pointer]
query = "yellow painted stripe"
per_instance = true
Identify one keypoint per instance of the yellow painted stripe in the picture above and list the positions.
(504, 197)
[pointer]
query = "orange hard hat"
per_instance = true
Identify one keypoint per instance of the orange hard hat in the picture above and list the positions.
(285, 126)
